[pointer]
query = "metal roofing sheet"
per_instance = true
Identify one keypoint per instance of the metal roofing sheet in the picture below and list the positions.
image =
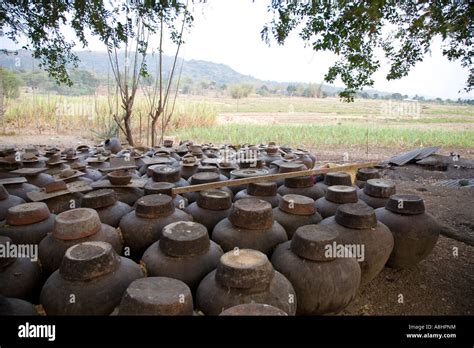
(405, 157)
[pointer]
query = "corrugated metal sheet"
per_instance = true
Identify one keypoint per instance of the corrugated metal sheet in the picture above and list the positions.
(454, 183)
(405, 157)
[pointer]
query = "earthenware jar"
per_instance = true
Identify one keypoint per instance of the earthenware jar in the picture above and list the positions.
(113, 145)
(35, 176)
(106, 204)
(128, 195)
(323, 281)
(58, 197)
(226, 167)
(143, 226)
(55, 164)
(336, 178)
(271, 155)
(305, 157)
(266, 191)
(377, 192)
(250, 225)
(358, 228)
(91, 281)
(184, 252)
(302, 185)
(335, 196)
(7, 201)
(168, 174)
(211, 207)
(27, 223)
(189, 166)
(245, 173)
(287, 167)
(295, 211)
(253, 309)
(165, 188)
(211, 169)
(20, 277)
(21, 190)
(73, 227)
(10, 306)
(244, 276)
(90, 173)
(415, 231)
(157, 296)
(364, 174)
(203, 178)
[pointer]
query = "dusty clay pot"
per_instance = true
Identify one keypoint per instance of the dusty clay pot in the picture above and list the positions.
(254, 309)
(250, 225)
(244, 276)
(303, 186)
(10, 306)
(97, 277)
(245, 173)
(107, 205)
(364, 174)
(38, 179)
(415, 232)
(336, 195)
(60, 204)
(271, 155)
(323, 282)
(113, 145)
(358, 225)
(266, 191)
(157, 296)
(184, 252)
(165, 188)
(27, 223)
(377, 192)
(168, 174)
(204, 178)
(20, 190)
(129, 195)
(7, 201)
(143, 227)
(336, 178)
(74, 227)
(211, 207)
(295, 211)
(119, 177)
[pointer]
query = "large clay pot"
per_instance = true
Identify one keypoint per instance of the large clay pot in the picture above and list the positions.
(113, 145)
(243, 174)
(288, 167)
(168, 174)
(165, 188)
(157, 296)
(415, 232)
(266, 191)
(91, 281)
(142, 227)
(295, 211)
(303, 186)
(27, 223)
(184, 252)
(336, 178)
(107, 205)
(128, 195)
(250, 225)
(204, 178)
(336, 195)
(377, 192)
(20, 190)
(364, 174)
(324, 283)
(211, 207)
(39, 179)
(271, 155)
(62, 203)
(73, 227)
(358, 227)
(10, 306)
(7, 201)
(244, 276)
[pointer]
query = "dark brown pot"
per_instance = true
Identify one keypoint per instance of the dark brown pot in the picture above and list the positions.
(336, 195)
(143, 227)
(377, 192)
(254, 309)
(245, 173)
(184, 252)
(303, 186)
(91, 281)
(204, 178)
(336, 178)
(364, 174)
(165, 188)
(188, 171)
(323, 282)
(211, 207)
(168, 174)
(74, 227)
(60, 204)
(357, 225)
(39, 179)
(244, 276)
(415, 232)
(113, 145)
(10, 306)
(129, 195)
(295, 211)
(250, 225)
(20, 190)
(107, 205)
(266, 191)
(7, 201)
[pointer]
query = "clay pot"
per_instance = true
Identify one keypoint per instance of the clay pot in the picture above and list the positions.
(336, 195)
(91, 281)
(377, 192)
(107, 205)
(7, 201)
(271, 155)
(20, 190)
(323, 282)
(204, 178)
(39, 179)
(364, 174)
(336, 178)
(358, 226)
(305, 157)
(157, 296)
(113, 145)
(245, 173)
(129, 195)
(143, 227)
(27, 223)
(187, 171)
(165, 188)
(119, 177)
(184, 252)
(254, 309)
(65, 202)
(10, 306)
(74, 227)
(302, 185)
(211, 169)
(168, 174)
(244, 276)
(211, 207)
(415, 232)
(295, 211)
(20, 277)
(250, 225)
(266, 191)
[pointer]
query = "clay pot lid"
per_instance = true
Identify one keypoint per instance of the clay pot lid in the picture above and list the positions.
(338, 178)
(156, 296)
(256, 309)
(119, 177)
(3, 193)
(214, 199)
(76, 224)
(287, 167)
(248, 173)
(207, 169)
(88, 260)
(364, 174)
(154, 206)
(154, 187)
(204, 177)
(311, 242)
(299, 182)
(356, 215)
(244, 269)
(99, 199)
(165, 173)
(4, 260)
(184, 238)
(27, 214)
(262, 189)
(54, 160)
(224, 164)
(297, 205)
(406, 204)
(252, 214)
(341, 194)
(379, 188)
